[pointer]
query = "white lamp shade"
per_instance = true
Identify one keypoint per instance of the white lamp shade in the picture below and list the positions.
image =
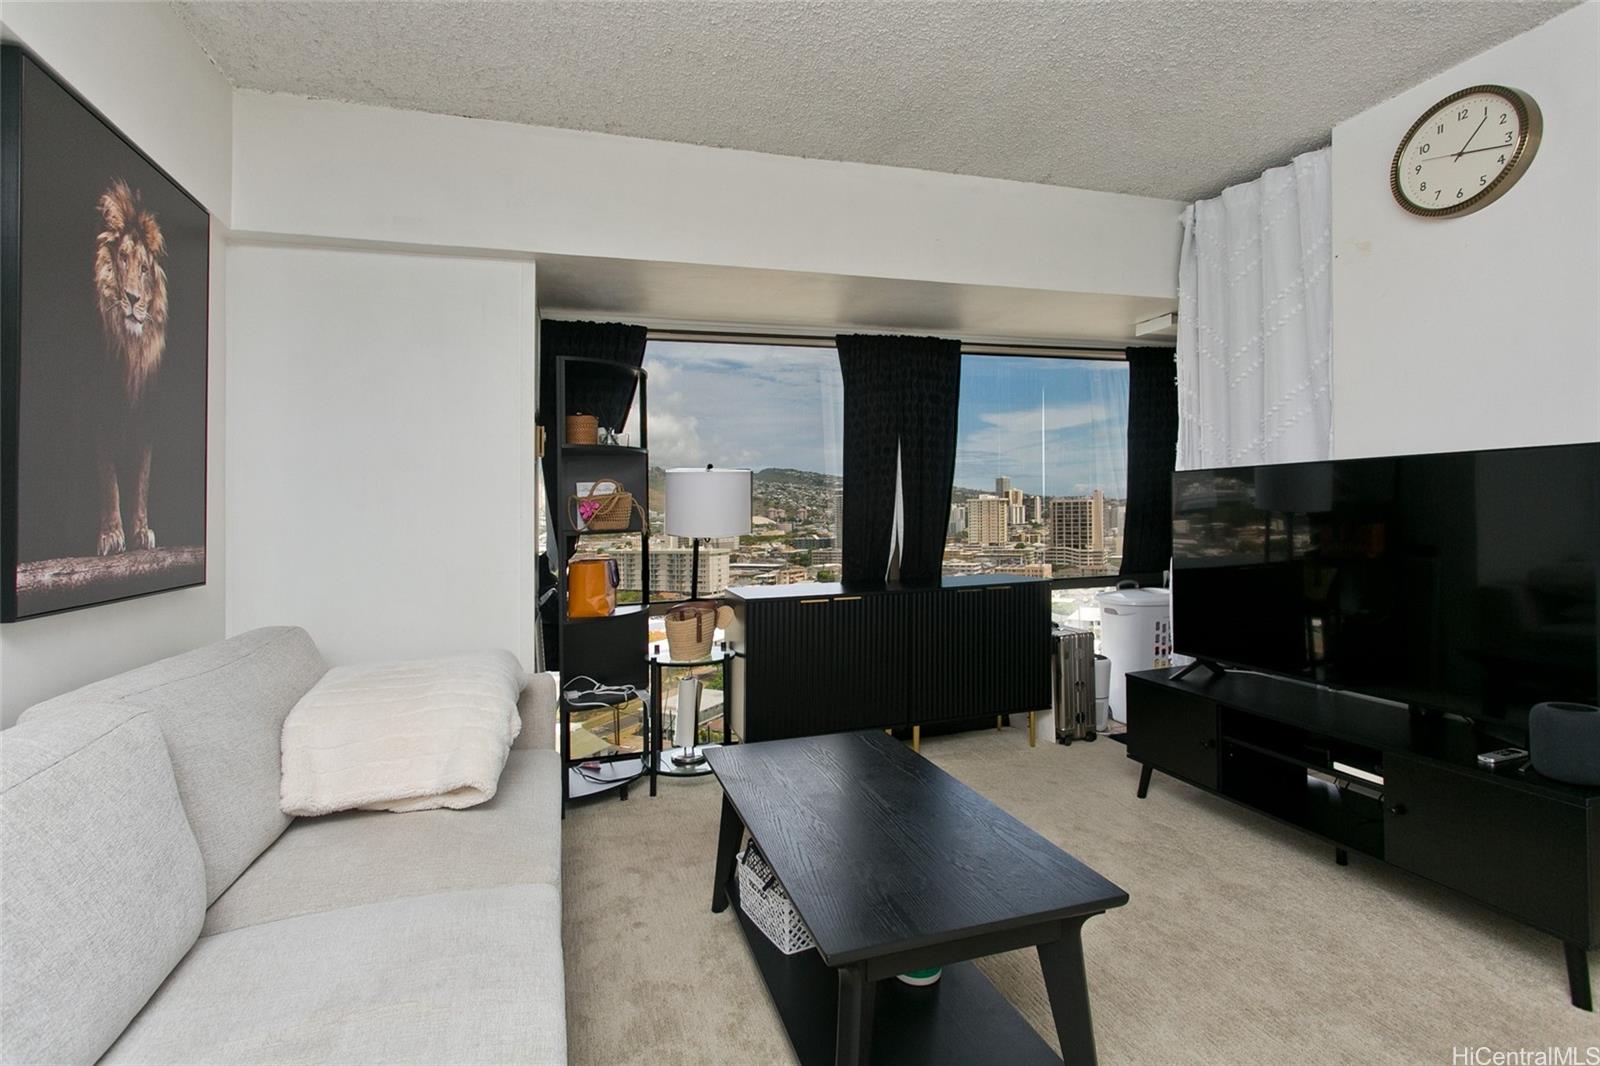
(708, 503)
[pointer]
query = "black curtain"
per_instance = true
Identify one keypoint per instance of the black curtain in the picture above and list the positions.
(589, 392)
(1152, 456)
(608, 396)
(901, 396)
(932, 382)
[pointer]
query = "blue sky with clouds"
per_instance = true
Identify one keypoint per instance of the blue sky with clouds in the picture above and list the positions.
(1057, 427)
(1052, 425)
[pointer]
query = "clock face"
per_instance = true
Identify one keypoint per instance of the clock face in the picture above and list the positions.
(1467, 151)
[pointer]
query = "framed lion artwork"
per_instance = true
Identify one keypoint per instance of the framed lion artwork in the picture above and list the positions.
(104, 279)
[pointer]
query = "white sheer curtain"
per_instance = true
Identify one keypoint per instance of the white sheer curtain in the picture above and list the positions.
(1255, 321)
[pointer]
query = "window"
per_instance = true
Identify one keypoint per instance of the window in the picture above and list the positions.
(1041, 467)
(777, 409)
(1040, 472)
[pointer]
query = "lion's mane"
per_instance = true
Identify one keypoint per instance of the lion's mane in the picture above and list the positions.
(127, 259)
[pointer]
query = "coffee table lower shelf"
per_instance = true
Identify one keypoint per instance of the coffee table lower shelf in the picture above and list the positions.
(961, 1019)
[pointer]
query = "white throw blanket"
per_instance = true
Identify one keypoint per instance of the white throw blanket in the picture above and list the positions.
(405, 736)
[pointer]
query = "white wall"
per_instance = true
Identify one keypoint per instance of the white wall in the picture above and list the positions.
(346, 171)
(379, 450)
(380, 442)
(1481, 331)
(181, 117)
(140, 67)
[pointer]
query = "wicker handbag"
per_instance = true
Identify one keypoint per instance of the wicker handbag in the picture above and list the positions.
(690, 626)
(604, 512)
(583, 429)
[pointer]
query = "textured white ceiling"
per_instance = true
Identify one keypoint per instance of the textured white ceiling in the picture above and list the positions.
(1158, 97)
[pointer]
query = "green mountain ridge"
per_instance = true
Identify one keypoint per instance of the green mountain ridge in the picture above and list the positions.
(780, 475)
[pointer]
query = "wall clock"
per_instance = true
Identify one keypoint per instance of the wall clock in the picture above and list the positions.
(1466, 151)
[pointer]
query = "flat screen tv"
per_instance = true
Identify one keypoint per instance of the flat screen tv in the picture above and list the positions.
(1460, 582)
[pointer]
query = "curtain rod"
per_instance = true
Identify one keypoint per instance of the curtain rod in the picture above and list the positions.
(802, 340)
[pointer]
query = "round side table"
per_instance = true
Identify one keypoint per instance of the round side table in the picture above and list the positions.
(679, 761)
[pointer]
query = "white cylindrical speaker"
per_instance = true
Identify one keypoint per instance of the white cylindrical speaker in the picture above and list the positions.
(688, 720)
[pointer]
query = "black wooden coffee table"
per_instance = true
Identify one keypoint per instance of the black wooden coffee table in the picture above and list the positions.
(895, 865)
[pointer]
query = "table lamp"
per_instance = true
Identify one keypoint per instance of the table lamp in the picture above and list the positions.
(705, 504)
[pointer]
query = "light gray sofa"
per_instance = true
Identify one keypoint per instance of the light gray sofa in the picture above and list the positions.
(157, 907)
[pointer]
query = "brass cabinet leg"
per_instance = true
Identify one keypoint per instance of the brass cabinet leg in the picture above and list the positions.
(997, 721)
(916, 738)
(1032, 739)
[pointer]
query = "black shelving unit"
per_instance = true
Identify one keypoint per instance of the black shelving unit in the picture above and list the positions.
(612, 649)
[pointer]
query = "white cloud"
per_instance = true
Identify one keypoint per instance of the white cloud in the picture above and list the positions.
(1048, 419)
(763, 406)
(1072, 454)
(674, 439)
(747, 405)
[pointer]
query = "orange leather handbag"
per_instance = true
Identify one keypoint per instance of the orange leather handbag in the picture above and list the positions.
(591, 587)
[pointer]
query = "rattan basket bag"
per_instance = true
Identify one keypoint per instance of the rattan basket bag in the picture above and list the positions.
(604, 511)
(690, 627)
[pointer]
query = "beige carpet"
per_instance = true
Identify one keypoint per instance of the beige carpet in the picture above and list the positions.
(1243, 942)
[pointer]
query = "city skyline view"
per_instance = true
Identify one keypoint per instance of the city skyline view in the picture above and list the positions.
(1025, 424)
(1056, 427)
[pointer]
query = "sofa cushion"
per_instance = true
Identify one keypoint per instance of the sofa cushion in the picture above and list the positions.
(221, 709)
(340, 860)
(457, 977)
(103, 887)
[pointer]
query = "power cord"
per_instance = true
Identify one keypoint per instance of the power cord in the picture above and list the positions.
(586, 693)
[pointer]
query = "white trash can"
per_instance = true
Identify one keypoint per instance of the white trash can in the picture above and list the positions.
(1135, 634)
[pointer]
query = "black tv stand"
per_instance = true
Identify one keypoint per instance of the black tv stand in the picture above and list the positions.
(1397, 786)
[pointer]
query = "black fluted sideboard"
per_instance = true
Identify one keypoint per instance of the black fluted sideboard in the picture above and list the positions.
(825, 658)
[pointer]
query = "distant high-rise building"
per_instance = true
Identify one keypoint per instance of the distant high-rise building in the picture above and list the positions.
(958, 520)
(986, 520)
(836, 519)
(669, 569)
(1077, 531)
(1015, 512)
(1035, 505)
